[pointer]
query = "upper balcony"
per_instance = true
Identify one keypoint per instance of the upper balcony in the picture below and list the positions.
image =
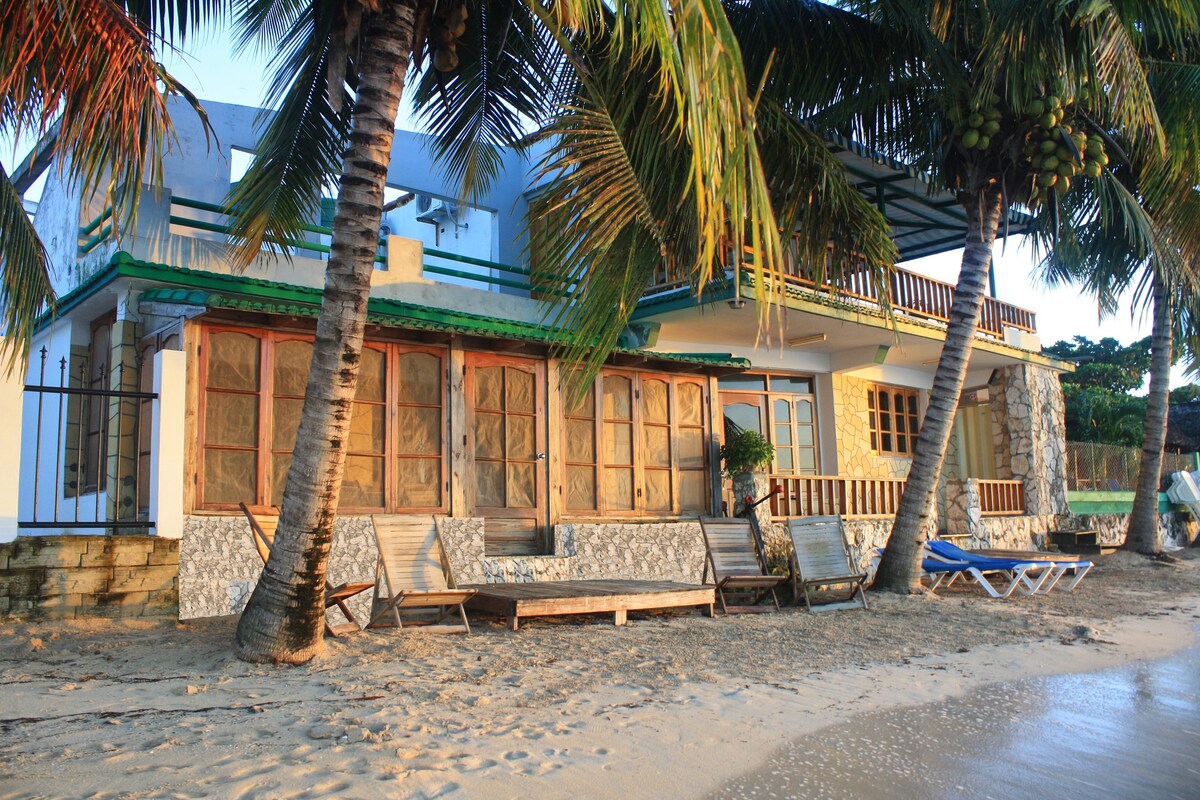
(909, 294)
(183, 231)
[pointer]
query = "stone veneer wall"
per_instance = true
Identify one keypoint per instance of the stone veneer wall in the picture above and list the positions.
(1177, 527)
(61, 577)
(1030, 434)
(855, 458)
(218, 565)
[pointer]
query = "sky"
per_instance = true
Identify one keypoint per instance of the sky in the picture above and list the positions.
(209, 70)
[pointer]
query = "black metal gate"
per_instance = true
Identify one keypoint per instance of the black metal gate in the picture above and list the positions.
(99, 448)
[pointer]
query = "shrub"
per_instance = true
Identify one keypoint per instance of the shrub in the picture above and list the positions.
(746, 451)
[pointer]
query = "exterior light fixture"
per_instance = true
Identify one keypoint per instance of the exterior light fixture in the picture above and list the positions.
(812, 338)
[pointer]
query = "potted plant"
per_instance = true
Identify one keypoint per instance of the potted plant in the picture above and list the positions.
(746, 451)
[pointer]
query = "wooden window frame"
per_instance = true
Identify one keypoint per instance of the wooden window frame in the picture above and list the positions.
(93, 475)
(596, 464)
(638, 425)
(876, 415)
(765, 399)
(262, 493)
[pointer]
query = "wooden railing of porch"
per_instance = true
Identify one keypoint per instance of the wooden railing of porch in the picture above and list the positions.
(1001, 498)
(818, 495)
(909, 293)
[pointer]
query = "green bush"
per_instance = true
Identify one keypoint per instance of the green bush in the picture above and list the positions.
(746, 451)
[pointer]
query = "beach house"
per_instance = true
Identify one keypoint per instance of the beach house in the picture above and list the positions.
(165, 389)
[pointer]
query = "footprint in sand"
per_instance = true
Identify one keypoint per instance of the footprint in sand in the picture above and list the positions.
(515, 755)
(474, 764)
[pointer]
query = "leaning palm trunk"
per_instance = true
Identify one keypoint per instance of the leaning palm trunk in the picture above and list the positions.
(900, 569)
(284, 619)
(1143, 534)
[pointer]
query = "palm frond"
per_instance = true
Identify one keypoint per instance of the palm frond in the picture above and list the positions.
(25, 286)
(615, 208)
(87, 69)
(837, 233)
(698, 68)
(509, 78)
(299, 150)
(175, 20)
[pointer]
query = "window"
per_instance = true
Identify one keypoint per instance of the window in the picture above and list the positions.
(635, 444)
(99, 366)
(782, 408)
(254, 385)
(893, 418)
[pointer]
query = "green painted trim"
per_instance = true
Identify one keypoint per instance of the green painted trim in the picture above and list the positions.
(1082, 502)
(213, 290)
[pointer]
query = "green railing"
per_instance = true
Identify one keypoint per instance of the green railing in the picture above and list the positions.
(495, 274)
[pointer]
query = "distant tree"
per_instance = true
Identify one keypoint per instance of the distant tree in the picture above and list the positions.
(1185, 394)
(1106, 364)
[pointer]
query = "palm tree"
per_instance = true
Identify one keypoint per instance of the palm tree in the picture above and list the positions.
(339, 75)
(81, 75)
(1161, 264)
(1006, 104)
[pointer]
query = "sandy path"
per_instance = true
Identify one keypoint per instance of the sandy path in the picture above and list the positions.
(668, 706)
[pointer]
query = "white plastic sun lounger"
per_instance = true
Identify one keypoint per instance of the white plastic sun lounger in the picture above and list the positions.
(944, 566)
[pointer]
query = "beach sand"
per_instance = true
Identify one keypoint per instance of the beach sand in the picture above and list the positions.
(672, 705)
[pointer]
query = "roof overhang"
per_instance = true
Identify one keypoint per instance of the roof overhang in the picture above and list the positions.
(190, 292)
(924, 221)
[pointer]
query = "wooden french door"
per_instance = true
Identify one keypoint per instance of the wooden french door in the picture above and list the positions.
(506, 446)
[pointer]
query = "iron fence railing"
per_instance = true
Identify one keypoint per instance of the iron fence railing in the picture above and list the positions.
(88, 444)
(1096, 467)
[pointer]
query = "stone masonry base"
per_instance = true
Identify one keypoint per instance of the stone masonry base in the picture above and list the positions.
(63, 577)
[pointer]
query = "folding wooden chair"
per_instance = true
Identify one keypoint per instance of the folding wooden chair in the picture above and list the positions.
(262, 531)
(821, 556)
(415, 574)
(737, 563)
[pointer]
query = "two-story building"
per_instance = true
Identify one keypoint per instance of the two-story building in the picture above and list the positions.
(185, 382)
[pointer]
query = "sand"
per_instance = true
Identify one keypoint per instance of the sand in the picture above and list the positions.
(673, 705)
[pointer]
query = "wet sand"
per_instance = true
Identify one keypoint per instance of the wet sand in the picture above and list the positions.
(1127, 732)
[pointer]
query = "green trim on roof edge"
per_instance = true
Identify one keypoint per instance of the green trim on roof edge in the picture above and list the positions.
(237, 292)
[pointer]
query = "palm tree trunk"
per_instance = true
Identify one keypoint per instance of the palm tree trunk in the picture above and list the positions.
(1143, 534)
(900, 568)
(284, 620)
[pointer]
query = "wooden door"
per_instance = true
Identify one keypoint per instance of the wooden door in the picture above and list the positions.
(506, 446)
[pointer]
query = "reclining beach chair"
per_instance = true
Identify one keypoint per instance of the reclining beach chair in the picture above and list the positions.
(737, 563)
(821, 556)
(262, 530)
(414, 573)
(946, 562)
(1060, 563)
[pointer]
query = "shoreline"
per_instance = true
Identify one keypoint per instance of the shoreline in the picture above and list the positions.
(670, 705)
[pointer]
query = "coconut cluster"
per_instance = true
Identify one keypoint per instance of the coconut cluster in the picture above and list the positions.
(976, 128)
(449, 25)
(1059, 152)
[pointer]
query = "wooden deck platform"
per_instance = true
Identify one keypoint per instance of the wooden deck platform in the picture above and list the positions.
(551, 598)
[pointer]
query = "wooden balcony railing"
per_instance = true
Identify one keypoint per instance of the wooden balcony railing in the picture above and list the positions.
(911, 294)
(1001, 498)
(817, 495)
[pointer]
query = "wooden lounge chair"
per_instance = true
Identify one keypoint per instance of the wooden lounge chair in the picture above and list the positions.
(262, 530)
(737, 563)
(414, 573)
(821, 556)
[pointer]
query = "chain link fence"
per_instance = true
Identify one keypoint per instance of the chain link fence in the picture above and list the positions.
(1093, 467)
